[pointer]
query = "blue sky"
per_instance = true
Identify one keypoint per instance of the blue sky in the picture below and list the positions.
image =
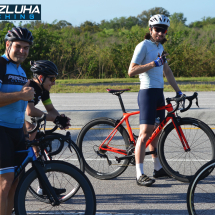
(78, 11)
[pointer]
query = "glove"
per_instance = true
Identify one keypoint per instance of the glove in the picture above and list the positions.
(179, 94)
(61, 121)
(160, 61)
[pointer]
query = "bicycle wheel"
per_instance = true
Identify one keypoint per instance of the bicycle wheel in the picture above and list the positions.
(178, 163)
(60, 175)
(103, 164)
(201, 191)
(67, 151)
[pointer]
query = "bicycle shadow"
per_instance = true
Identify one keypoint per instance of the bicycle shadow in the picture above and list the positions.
(141, 203)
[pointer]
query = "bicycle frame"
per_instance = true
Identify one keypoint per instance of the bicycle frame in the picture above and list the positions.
(125, 117)
(31, 157)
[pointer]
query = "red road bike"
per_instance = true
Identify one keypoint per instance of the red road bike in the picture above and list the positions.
(185, 144)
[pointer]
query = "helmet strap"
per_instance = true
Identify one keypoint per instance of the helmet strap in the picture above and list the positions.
(41, 84)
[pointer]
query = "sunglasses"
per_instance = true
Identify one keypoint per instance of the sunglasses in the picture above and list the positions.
(52, 79)
(164, 31)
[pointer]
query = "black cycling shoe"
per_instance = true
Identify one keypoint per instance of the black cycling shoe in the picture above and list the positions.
(58, 191)
(160, 173)
(144, 180)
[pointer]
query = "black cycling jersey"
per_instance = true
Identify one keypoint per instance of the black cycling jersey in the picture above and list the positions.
(40, 94)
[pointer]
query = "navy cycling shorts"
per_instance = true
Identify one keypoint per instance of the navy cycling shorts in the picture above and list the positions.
(11, 140)
(148, 101)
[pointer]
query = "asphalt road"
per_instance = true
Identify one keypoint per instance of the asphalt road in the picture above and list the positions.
(121, 195)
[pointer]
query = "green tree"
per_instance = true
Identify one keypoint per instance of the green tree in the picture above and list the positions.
(89, 26)
(6, 24)
(205, 21)
(177, 18)
(146, 14)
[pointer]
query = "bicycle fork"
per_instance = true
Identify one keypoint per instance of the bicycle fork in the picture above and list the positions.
(45, 183)
(181, 134)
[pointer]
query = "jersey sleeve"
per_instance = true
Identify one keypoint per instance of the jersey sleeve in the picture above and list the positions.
(46, 98)
(139, 53)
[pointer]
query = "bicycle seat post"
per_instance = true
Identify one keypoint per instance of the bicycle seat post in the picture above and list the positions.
(121, 103)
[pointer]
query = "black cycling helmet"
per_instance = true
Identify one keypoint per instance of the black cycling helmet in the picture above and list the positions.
(43, 67)
(19, 34)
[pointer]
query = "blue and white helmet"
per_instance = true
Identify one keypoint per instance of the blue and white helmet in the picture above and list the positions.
(159, 19)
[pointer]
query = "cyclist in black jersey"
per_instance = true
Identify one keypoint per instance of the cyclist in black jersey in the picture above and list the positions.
(45, 73)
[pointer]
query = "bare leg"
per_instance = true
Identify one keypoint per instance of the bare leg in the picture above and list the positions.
(6, 192)
(145, 133)
(10, 204)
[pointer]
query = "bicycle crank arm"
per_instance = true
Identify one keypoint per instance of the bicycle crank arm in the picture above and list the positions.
(124, 157)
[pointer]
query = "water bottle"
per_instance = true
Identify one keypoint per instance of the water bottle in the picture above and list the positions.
(157, 122)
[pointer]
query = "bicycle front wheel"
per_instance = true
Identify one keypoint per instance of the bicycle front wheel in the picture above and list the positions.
(60, 175)
(181, 164)
(201, 191)
(102, 164)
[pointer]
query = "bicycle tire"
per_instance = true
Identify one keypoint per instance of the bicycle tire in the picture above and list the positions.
(91, 136)
(63, 175)
(73, 157)
(176, 162)
(200, 193)
(59, 151)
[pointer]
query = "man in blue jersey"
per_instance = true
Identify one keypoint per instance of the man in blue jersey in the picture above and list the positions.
(14, 96)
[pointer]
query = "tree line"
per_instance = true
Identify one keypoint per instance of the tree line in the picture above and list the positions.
(105, 49)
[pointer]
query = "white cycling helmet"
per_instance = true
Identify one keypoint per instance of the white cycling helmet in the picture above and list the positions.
(159, 19)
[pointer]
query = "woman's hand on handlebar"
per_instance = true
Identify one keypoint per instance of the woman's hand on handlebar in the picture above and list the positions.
(62, 121)
(68, 121)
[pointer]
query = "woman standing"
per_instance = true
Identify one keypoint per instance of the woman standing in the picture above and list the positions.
(149, 62)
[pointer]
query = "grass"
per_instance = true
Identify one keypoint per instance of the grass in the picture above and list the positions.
(58, 88)
(128, 80)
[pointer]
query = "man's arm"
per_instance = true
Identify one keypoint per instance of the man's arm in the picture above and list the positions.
(136, 69)
(26, 94)
(52, 112)
(9, 98)
(31, 110)
(170, 77)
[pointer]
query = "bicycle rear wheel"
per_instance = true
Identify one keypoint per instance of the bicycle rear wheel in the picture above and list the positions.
(60, 175)
(201, 191)
(178, 163)
(65, 150)
(103, 164)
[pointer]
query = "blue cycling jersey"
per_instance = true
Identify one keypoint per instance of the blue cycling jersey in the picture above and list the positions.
(12, 79)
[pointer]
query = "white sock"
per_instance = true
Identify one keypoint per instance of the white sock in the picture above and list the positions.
(139, 169)
(157, 164)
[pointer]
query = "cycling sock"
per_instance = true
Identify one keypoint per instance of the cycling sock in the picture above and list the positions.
(139, 169)
(157, 164)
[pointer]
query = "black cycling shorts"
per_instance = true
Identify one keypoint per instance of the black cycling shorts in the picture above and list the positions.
(11, 140)
(148, 101)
